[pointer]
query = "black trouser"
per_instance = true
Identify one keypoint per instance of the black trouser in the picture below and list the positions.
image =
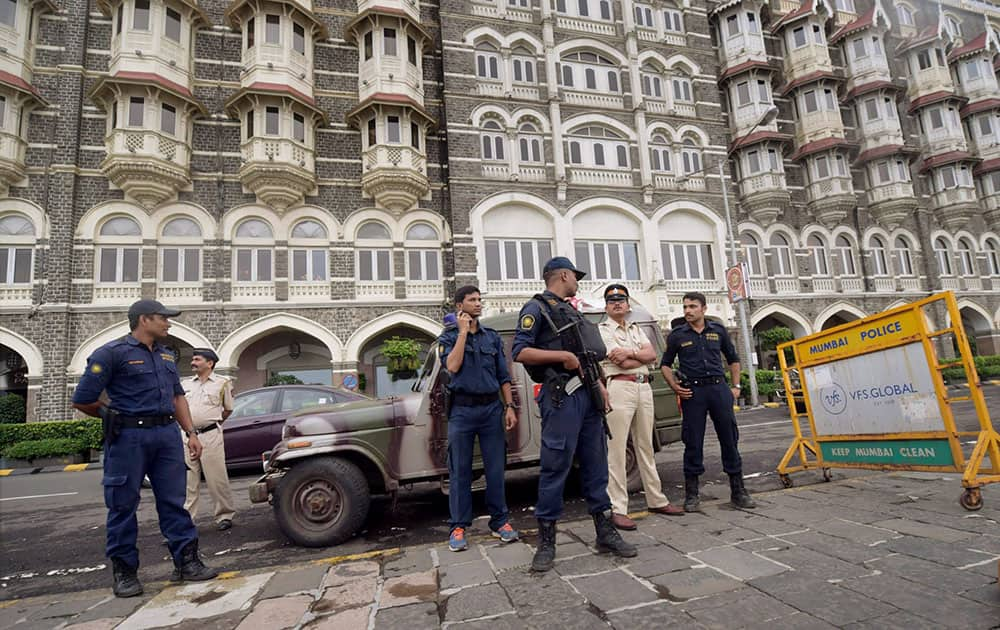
(716, 400)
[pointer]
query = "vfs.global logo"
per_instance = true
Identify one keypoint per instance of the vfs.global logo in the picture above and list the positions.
(834, 399)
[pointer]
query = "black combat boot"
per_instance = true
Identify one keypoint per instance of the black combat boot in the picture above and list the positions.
(191, 568)
(739, 496)
(608, 538)
(126, 582)
(691, 501)
(545, 556)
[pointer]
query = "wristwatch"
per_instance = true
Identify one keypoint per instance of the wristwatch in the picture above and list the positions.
(509, 405)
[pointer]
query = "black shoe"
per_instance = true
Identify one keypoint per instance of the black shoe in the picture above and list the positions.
(691, 501)
(608, 538)
(224, 524)
(739, 496)
(545, 556)
(191, 568)
(126, 582)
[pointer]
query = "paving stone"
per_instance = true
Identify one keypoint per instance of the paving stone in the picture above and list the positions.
(588, 564)
(856, 532)
(612, 590)
(410, 589)
(657, 561)
(640, 539)
(410, 561)
(569, 550)
(953, 555)
(686, 540)
(562, 538)
(227, 621)
(901, 620)
(282, 612)
(350, 619)
(459, 575)
(924, 530)
(298, 581)
(533, 593)
(477, 601)
(575, 618)
(819, 565)
(729, 610)
(503, 622)
(69, 606)
(198, 601)
(447, 557)
(988, 594)
(510, 555)
(795, 621)
(350, 571)
(925, 601)
(360, 592)
(96, 624)
(931, 574)
(110, 607)
(683, 585)
(845, 550)
(830, 602)
(738, 563)
(412, 617)
(22, 611)
(654, 617)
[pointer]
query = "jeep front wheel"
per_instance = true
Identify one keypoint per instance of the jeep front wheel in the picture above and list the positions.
(322, 502)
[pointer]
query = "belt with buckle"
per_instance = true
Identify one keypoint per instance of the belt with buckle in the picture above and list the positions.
(708, 380)
(632, 378)
(211, 427)
(143, 422)
(474, 400)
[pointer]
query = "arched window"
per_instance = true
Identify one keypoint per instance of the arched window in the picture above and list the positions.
(905, 15)
(845, 254)
(423, 259)
(879, 259)
(993, 256)
(781, 255)
(818, 255)
(180, 251)
(966, 258)
(682, 87)
(942, 253)
(660, 151)
(589, 71)
(309, 245)
(120, 243)
(530, 143)
(374, 244)
(17, 235)
(493, 140)
(652, 85)
(487, 61)
(523, 65)
(597, 147)
(903, 255)
(590, 9)
(751, 254)
(691, 156)
(253, 246)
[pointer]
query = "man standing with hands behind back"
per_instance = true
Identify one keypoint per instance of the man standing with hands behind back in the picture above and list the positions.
(210, 398)
(700, 344)
(629, 353)
(473, 354)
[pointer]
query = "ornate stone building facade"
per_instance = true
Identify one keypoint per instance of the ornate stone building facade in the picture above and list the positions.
(306, 180)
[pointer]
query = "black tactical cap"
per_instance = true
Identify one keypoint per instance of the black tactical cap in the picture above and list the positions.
(151, 307)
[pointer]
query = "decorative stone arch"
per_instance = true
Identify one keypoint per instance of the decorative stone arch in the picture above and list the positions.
(359, 217)
(688, 205)
(964, 234)
(424, 216)
(34, 212)
(688, 131)
(986, 238)
(352, 352)
(177, 329)
(529, 41)
(797, 323)
(809, 230)
(952, 243)
(29, 352)
(314, 213)
(233, 345)
(488, 111)
(785, 231)
(699, 211)
(618, 205)
(753, 228)
(689, 67)
(834, 309)
(603, 120)
(561, 229)
(996, 319)
(235, 216)
(532, 115)
(908, 236)
(482, 34)
(167, 212)
(846, 232)
(875, 230)
(660, 126)
(984, 318)
(652, 56)
(591, 45)
(92, 219)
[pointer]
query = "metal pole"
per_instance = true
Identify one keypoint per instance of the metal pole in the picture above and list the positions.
(741, 307)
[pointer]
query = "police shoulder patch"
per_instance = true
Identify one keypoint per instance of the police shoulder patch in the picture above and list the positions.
(441, 350)
(527, 322)
(96, 368)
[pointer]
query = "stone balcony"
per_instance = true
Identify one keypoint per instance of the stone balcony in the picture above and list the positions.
(950, 283)
(254, 292)
(179, 292)
(665, 181)
(944, 140)
(117, 293)
(309, 291)
(955, 206)
(891, 204)
(818, 125)
(742, 48)
(149, 53)
(867, 70)
(17, 48)
(394, 175)
(278, 170)
(396, 75)
(765, 196)
(277, 65)
(375, 291)
(991, 210)
(807, 60)
(660, 37)
(411, 8)
(425, 290)
(978, 89)
(851, 284)
(929, 81)
(148, 165)
(599, 176)
(748, 117)
(831, 199)
(985, 149)
(593, 99)
(884, 285)
(879, 133)
(12, 152)
(972, 284)
(583, 25)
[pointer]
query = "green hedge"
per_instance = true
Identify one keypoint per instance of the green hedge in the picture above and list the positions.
(87, 431)
(12, 409)
(768, 381)
(50, 447)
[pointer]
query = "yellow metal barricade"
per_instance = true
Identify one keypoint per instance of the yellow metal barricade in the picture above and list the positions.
(874, 397)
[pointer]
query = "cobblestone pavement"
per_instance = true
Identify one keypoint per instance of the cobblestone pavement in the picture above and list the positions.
(881, 550)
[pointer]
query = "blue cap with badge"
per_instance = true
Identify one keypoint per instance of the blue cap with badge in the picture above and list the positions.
(561, 262)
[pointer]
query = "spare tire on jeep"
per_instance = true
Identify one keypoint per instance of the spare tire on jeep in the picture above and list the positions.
(321, 501)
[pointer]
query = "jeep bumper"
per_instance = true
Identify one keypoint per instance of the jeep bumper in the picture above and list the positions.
(261, 490)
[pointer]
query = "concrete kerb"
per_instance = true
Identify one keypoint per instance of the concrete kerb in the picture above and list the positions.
(16, 472)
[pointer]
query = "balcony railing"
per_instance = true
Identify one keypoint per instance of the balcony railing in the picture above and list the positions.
(943, 140)
(117, 293)
(524, 92)
(680, 286)
(909, 284)
(600, 177)
(281, 150)
(818, 125)
(762, 182)
(309, 291)
(824, 188)
(15, 293)
(179, 292)
(424, 290)
(593, 99)
(499, 13)
(786, 285)
(147, 143)
(884, 285)
(852, 285)
(12, 152)
(983, 87)
(673, 182)
(252, 291)
(933, 79)
(868, 69)
(972, 284)
(950, 284)
(953, 196)
(758, 286)
(512, 287)
(805, 60)
(496, 170)
(824, 285)
(383, 290)
(531, 174)
(394, 156)
(489, 88)
(586, 26)
(889, 192)
(876, 133)
(590, 286)
(742, 48)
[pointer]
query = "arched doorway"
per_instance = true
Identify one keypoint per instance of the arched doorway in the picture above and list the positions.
(770, 320)
(374, 366)
(837, 319)
(284, 356)
(978, 329)
(13, 381)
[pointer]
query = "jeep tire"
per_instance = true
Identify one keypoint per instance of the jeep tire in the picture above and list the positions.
(321, 502)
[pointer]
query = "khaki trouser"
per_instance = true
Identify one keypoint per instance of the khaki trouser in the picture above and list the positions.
(632, 412)
(213, 463)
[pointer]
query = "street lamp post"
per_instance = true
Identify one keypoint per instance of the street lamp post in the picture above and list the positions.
(741, 306)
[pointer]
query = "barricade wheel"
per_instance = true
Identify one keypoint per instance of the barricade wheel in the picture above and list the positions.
(971, 499)
(786, 481)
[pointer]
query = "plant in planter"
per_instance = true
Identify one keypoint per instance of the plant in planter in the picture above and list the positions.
(403, 355)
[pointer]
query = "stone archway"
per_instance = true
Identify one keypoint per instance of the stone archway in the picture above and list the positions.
(21, 367)
(983, 340)
(773, 316)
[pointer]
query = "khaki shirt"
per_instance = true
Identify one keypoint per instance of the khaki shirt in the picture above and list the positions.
(208, 399)
(631, 338)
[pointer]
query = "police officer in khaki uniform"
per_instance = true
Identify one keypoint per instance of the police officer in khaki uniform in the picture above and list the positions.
(626, 368)
(210, 398)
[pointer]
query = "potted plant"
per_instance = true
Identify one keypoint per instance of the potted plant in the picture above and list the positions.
(403, 355)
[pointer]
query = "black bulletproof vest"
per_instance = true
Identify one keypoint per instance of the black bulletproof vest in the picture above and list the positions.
(564, 318)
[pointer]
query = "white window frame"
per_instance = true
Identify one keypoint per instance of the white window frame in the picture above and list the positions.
(489, 64)
(182, 263)
(425, 256)
(493, 142)
(673, 21)
(377, 268)
(845, 254)
(943, 258)
(820, 256)
(783, 259)
(601, 248)
(903, 257)
(880, 259)
(752, 255)
(310, 264)
(701, 266)
(255, 250)
(534, 269)
(992, 250)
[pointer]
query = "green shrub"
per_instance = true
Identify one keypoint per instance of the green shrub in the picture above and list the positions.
(88, 431)
(50, 447)
(283, 379)
(12, 409)
(774, 337)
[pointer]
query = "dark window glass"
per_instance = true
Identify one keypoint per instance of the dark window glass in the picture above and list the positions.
(371, 133)
(392, 129)
(168, 119)
(140, 19)
(271, 121)
(192, 258)
(368, 45)
(135, 106)
(389, 41)
(272, 29)
(299, 127)
(415, 136)
(120, 18)
(172, 28)
(250, 33)
(411, 50)
(299, 38)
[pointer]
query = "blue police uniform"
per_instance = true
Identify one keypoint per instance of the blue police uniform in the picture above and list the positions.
(700, 362)
(476, 410)
(141, 384)
(570, 423)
